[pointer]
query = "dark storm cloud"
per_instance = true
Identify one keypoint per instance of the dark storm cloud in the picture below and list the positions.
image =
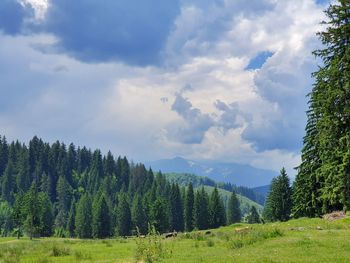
(130, 31)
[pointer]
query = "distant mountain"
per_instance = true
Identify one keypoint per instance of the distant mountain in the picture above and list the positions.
(184, 179)
(239, 174)
(264, 190)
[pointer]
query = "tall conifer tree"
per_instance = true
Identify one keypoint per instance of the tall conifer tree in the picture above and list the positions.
(323, 180)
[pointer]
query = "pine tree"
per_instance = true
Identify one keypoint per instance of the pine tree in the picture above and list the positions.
(124, 223)
(189, 208)
(138, 215)
(83, 217)
(101, 219)
(216, 210)
(253, 216)
(279, 200)
(323, 181)
(233, 210)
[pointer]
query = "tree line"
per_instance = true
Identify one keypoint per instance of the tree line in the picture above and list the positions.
(51, 189)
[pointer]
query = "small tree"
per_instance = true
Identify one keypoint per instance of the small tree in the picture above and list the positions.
(233, 210)
(279, 200)
(253, 216)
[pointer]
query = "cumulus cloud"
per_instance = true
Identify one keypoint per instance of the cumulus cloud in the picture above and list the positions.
(194, 99)
(195, 125)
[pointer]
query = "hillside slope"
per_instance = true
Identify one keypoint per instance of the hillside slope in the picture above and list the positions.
(245, 203)
(239, 174)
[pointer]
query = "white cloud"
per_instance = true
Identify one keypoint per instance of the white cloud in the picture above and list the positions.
(255, 117)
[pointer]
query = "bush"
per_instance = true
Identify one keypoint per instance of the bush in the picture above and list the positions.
(150, 248)
(57, 251)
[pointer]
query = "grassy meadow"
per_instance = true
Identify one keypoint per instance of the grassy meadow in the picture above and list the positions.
(302, 240)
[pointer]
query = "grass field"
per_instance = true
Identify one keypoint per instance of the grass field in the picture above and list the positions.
(302, 240)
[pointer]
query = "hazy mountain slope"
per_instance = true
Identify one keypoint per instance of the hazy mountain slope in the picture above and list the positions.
(238, 174)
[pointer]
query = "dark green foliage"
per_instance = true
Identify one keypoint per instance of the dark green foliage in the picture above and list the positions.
(6, 219)
(216, 210)
(71, 219)
(279, 200)
(253, 217)
(23, 177)
(83, 217)
(201, 209)
(176, 209)
(101, 219)
(138, 215)
(19, 212)
(64, 200)
(159, 216)
(45, 215)
(189, 207)
(4, 152)
(233, 211)
(323, 180)
(124, 223)
(32, 210)
(65, 181)
(7, 183)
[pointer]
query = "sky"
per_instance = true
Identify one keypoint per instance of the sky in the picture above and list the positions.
(222, 80)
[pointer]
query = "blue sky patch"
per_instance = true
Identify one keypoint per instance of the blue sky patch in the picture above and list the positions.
(258, 61)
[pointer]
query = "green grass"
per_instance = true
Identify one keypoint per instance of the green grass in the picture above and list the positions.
(302, 240)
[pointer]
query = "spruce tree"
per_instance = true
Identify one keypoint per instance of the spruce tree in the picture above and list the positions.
(83, 217)
(216, 210)
(323, 181)
(159, 216)
(253, 217)
(32, 209)
(176, 209)
(279, 200)
(233, 210)
(138, 215)
(46, 215)
(124, 223)
(201, 210)
(7, 183)
(71, 219)
(101, 219)
(19, 212)
(23, 177)
(189, 208)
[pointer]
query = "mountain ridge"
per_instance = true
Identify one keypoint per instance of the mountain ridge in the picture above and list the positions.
(238, 174)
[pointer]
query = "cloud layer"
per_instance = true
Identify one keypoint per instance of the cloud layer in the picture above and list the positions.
(159, 79)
